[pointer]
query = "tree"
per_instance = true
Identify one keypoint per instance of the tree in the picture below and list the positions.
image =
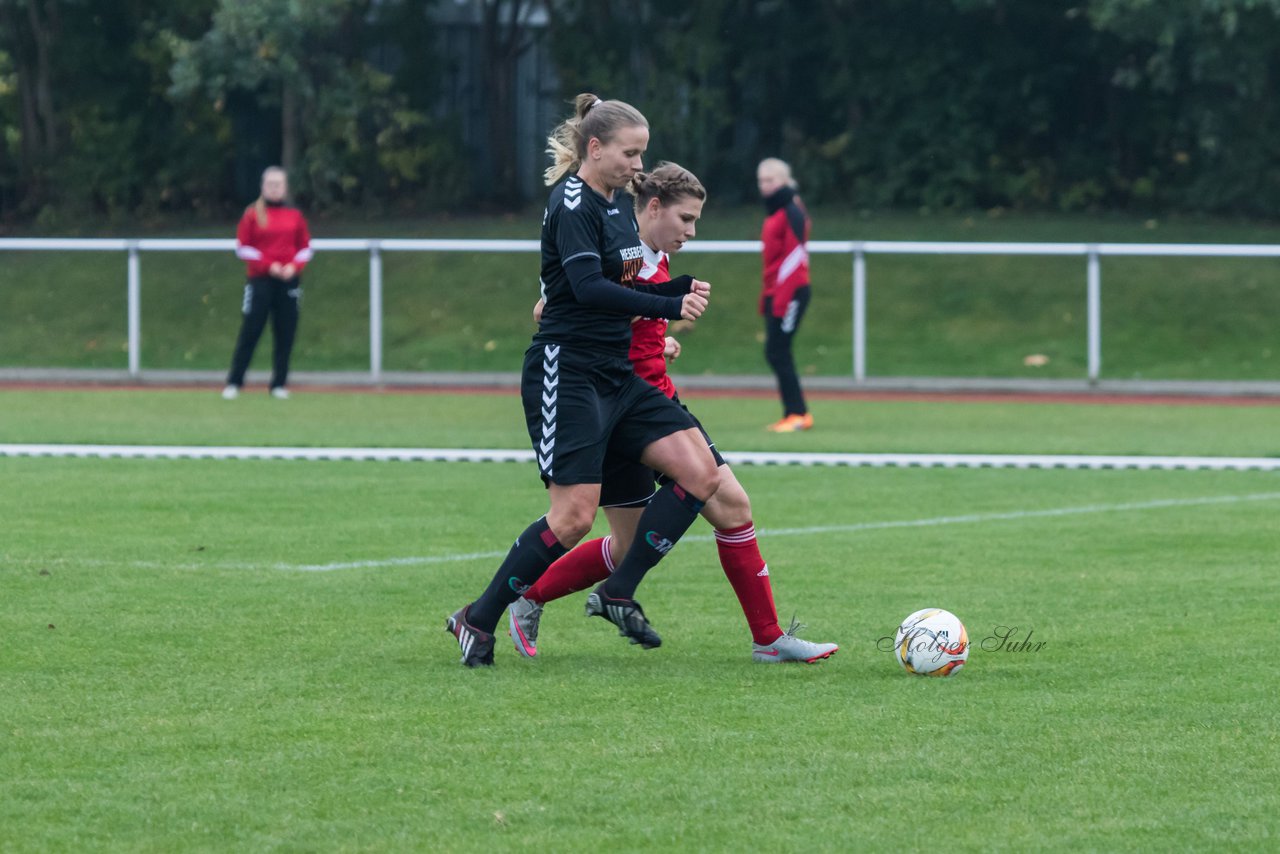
(1208, 80)
(345, 132)
(29, 32)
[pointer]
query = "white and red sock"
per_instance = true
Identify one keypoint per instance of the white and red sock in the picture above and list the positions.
(749, 575)
(585, 566)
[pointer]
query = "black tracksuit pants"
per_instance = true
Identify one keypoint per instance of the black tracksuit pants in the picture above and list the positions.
(267, 296)
(779, 332)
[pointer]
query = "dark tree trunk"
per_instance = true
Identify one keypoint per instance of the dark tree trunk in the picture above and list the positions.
(505, 41)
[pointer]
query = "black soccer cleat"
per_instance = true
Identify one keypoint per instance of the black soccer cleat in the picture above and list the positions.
(477, 646)
(627, 615)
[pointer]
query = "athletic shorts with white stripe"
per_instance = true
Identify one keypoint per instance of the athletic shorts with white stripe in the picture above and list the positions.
(577, 404)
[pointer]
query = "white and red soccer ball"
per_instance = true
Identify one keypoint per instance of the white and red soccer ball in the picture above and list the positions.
(931, 642)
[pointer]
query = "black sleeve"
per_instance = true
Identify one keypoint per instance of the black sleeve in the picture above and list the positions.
(796, 218)
(677, 287)
(590, 287)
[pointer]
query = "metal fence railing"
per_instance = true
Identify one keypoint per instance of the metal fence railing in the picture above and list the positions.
(858, 250)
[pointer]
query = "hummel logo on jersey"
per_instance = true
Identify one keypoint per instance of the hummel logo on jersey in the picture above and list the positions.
(550, 382)
(611, 212)
(631, 253)
(572, 193)
(660, 543)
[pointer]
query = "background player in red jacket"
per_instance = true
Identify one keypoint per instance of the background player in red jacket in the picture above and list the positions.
(785, 294)
(273, 241)
(668, 204)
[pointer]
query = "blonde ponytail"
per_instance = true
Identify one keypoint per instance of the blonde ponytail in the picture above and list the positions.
(259, 207)
(592, 119)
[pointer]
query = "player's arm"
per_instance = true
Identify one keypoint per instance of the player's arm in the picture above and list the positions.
(676, 287)
(591, 288)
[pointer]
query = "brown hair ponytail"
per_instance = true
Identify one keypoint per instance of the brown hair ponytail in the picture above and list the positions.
(668, 183)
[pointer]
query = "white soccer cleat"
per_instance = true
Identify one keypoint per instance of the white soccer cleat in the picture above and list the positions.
(788, 647)
(280, 393)
(524, 617)
(231, 392)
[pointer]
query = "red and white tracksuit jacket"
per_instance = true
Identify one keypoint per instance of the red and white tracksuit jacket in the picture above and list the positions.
(786, 260)
(284, 239)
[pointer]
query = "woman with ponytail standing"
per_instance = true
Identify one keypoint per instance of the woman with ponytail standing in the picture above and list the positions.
(785, 294)
(668, 204)
(275, 245)
(581, 395)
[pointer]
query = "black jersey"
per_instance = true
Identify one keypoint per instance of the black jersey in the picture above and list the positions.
(579, 223)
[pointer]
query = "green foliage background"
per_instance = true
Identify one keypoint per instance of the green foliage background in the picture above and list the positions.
(116, 110)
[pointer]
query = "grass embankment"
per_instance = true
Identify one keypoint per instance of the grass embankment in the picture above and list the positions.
(1163, 318)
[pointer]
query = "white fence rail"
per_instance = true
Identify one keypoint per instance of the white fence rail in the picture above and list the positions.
(857, 249)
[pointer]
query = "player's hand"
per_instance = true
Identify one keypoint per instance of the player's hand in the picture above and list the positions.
(702, 289)
(276, 269)
(671, 349)
(692, 306)
(288, 271)
(537, 310)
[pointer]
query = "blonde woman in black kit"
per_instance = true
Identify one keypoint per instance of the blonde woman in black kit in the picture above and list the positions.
(579, 390)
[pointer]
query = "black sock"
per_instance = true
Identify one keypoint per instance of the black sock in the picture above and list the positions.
(663, 522)
(534, 550)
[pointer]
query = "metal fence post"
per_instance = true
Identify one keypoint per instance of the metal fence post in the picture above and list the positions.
(1094, 313)
(134, 310)
(859, 316)
(375, 310)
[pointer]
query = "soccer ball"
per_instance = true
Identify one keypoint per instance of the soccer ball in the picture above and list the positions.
(931, 642)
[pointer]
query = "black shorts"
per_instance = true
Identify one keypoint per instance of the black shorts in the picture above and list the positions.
(628, 483)
(577, 405)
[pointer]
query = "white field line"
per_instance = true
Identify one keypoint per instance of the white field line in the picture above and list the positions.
(767, 533)
(1020, 461)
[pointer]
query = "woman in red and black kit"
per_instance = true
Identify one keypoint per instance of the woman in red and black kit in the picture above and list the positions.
(275, 245)
(668, 204)
(785, 294)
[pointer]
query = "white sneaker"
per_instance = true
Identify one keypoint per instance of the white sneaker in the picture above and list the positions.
(524, 617)
(788, 647)
(280, 393)
(231, 392)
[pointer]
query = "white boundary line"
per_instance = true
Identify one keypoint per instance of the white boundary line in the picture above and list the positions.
(767, 533)
(1018, 461)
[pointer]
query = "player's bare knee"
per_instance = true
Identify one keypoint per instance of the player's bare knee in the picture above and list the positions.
(571, 523)
(703, 480)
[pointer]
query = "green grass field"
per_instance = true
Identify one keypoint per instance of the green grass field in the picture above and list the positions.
(236, 655)
(1163, 318)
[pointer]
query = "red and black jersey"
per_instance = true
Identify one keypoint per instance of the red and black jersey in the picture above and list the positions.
(649, 334)
(284, 239)
(786, 260)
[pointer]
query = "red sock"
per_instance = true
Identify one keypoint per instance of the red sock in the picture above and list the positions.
(749, 575)
(586, 566)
